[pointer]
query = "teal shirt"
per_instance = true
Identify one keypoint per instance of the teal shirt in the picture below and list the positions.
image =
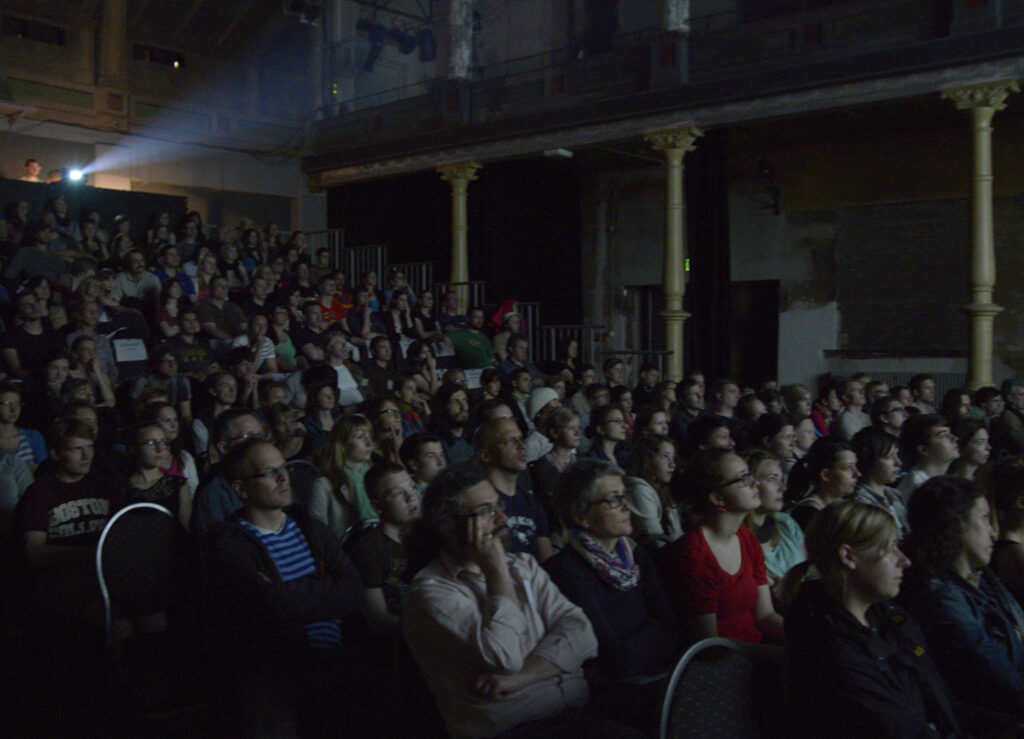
(790, 550)
(361, 500)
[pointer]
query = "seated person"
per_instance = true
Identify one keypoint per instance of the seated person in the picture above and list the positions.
(423, 456)
(497, 642)
(614, 581)
(277, 586)
(379, 554)
(972, 623)
(60, 520)
(857, 660)
(715, 574)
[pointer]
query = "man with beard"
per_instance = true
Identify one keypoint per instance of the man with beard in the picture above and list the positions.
(497, 642)
(449, 418)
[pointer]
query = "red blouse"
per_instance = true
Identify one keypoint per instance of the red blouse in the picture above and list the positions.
(691, 574)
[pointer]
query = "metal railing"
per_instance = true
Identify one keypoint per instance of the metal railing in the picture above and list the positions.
(553, 339)
(362, 259)
(332, 239)
(531, 324)
(420, 275)
(636, 357)
(474, 292)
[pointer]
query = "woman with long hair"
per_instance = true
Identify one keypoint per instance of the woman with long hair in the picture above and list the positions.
(858, 663)
(168, 308)
(715, 573)
(46, 306)
(782, 539)
(414, 408)
(831, 471)
(975, 450)
(428, 328)
(386, 418)
(278, 332)
(651, 420)
(622, 398)
(361, 322)
(147, 482)
(398, 322)
(652, 463)
(608, 431)
(422, 367)
(971, 621)
(338, 499)
(230, 265)
(85, 365)
(322, 412)
(182, 462)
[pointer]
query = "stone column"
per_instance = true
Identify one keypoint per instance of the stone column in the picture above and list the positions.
(460, 39)
(982, 101)
(674, 144)
(459, 174)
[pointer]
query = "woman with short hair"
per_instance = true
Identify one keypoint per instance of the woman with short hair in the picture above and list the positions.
(615, 583)
(858, 663)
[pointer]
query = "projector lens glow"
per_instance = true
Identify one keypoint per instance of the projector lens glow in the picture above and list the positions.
(76, 175)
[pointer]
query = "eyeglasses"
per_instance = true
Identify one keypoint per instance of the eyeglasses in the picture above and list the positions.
(389, 412)
(247, 435)
(487, 510)
(270, 474)
(11, 404)
(614, 503)
(747, 477)
(157, 444)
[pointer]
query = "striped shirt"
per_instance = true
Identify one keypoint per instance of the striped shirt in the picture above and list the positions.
(290, 552)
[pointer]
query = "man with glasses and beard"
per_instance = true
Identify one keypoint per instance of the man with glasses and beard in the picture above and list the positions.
(499, 645)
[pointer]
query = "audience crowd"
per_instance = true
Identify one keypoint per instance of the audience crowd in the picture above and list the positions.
(399, 523)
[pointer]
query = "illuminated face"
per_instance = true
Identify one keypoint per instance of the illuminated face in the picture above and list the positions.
(429, 463)
(397, 501)
(737, 491)
(614, 426)
(153, 449)
(359, 447)
(664, 464)
(607, 516)
(10, 408)
(75, 456)
(978, 537)
(507, 450)
(768, 479)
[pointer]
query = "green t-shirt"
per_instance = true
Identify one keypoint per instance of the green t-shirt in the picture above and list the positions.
(473, 349)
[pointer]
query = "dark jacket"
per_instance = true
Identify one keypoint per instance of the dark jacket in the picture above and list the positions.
(1007, 432)
(851, 681)
(973, 633)
(255, 614)
(637, 632)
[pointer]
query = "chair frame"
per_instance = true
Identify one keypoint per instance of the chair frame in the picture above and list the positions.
(99, 555)
(680, 669)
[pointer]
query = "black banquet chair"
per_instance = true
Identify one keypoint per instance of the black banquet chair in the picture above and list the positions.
(723, 688)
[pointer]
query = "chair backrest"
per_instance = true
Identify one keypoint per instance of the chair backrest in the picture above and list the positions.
(725, 688)
(302, 474)
(138, 561)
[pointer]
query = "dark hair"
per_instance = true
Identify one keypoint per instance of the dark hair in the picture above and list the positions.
(6, 386)
(644, 416)
(440, 501)
(767, 426)
(618, 391)
(880, 408)
(985, 394)
(965, 429)
(702, 476)
(822, 456)
(413, 445)
(937, 515)
(598, 417)
(225, 419)
(870, 445)
(698, 433)
(1007, 484)
(374, 478)
(915, 433)
(719, 385)
(70, 428)
(917, 380)
(951, 401)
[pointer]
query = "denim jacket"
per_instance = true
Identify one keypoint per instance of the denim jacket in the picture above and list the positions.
(975, 637)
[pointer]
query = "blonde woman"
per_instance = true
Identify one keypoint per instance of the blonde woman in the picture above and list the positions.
(338, 498)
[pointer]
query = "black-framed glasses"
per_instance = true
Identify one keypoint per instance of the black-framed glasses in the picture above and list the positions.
(488, 510)
(269, 474)
(157, 444)
(614, 503)
(747, 477)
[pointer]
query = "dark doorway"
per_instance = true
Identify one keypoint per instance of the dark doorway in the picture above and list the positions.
(754, 331)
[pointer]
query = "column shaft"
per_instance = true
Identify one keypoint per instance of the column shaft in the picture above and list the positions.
(983, 101)
(674, 144)
(459, 175)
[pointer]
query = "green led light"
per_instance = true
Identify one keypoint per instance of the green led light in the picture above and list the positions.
(686, 264)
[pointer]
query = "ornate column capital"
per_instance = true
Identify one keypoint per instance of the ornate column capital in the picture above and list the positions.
(674, 138)
(988, 95)
(465, 171)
